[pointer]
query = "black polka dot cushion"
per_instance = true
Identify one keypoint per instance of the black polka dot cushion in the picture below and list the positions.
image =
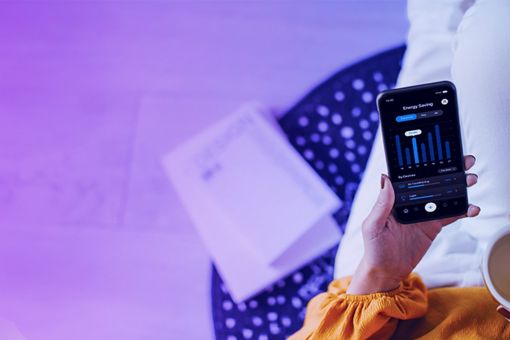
(333, 128)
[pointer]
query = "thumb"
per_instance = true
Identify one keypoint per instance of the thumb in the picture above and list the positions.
(382, 208)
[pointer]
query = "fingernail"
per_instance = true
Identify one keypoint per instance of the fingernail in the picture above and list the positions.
(473, 210)
(503, 311)
(382, 181)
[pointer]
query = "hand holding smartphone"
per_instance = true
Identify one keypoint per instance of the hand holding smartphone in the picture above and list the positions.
(428, 188)
(423, 146)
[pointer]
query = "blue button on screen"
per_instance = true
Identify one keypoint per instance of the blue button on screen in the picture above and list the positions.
(406, 118)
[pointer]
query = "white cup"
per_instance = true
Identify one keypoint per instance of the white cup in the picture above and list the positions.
(496, 267)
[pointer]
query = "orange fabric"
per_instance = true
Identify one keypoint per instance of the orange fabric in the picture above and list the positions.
(410, 311)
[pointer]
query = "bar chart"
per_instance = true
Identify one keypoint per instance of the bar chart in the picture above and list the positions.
(422, 147)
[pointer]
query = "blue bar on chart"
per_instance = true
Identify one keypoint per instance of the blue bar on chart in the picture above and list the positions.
(408, 157)
(438, 140)
(399, 151)
(423, 153)
(447, 147)
(431, 147)
(415, 151)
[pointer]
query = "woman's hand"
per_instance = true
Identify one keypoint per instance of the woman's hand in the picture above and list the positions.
(392, 250)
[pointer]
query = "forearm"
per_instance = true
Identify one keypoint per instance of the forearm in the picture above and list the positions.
(369, 280)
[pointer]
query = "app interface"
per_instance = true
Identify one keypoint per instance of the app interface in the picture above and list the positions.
(424, 153)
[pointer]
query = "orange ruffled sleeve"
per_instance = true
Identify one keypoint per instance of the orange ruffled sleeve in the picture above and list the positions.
(337, 315)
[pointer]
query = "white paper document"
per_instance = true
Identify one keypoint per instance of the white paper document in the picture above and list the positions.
(260, 209)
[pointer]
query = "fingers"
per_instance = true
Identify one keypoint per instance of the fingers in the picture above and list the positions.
(471, 179)
(382, 208)
(472, 211)
(469, 161)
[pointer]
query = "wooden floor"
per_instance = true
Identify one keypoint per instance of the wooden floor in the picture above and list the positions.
(94, 243)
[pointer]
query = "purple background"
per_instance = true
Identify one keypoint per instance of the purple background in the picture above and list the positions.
(94, 243)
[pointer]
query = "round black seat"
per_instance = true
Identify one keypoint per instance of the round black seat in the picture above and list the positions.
(333, 128)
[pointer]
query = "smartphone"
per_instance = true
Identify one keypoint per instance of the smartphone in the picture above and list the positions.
(423, 146)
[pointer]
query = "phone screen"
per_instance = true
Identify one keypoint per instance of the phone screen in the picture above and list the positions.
(421, 133)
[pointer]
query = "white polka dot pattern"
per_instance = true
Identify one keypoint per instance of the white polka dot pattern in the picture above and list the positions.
(333, 153)
(356, 111)
(322, 110)
(230, 323)
(308, 154)
(347, 132)
(358, 84)
(339, 96)
(303, 121)
(257, 321)
(247, 333)
(326, 140)
(227, 305)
